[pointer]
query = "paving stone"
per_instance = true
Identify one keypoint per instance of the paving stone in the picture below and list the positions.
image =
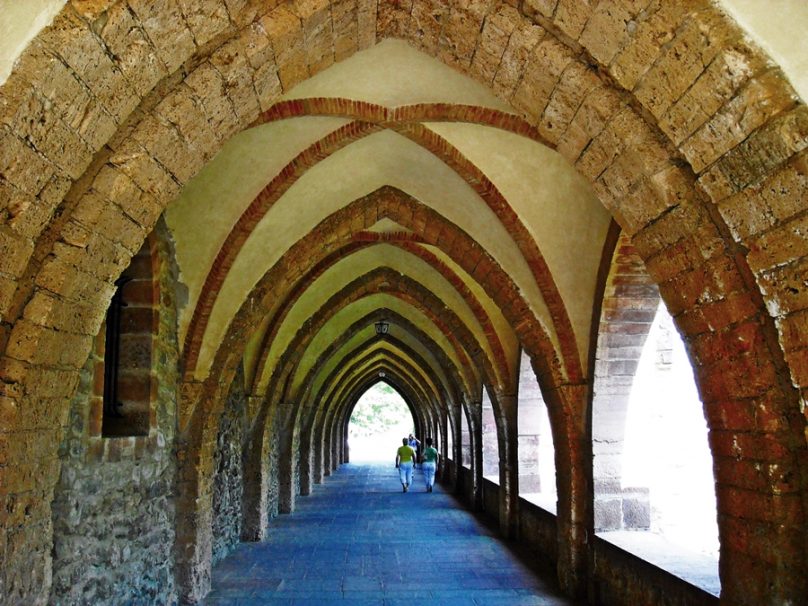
(357, 539)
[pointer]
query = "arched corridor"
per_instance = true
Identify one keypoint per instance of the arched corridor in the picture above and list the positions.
(359, 540)
(222, 221)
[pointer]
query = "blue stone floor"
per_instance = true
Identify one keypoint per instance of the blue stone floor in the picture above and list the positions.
(358, 540)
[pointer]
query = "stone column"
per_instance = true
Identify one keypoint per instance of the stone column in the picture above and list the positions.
(305, 461)
(508, 466)
(573, 455)
(475, 492)
(193, 549)
(254, 506)
(452, 410)
(254, 501)
(335, 443)
(287, 468)
(318, 458)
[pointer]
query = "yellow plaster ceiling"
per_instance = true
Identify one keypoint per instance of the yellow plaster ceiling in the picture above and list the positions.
(555, 203)
(345, 317)
(20, 21)
(779, 27)
(360, 263)
(383, 158)
(212, 202)
(507, 337)
(393, 74)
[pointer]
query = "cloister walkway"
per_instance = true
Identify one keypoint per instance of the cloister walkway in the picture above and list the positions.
(359, 540)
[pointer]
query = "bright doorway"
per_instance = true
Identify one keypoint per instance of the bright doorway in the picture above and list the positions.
(378, 422)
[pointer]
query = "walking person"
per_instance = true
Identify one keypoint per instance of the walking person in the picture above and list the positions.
(405, 461)
(429, 464)
(415, 444)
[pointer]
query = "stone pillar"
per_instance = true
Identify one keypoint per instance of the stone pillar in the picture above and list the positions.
(318, 454)
(508, 467)
(287, 462)
(305, 461)
(609, 412)
(325, 444)
(254, 502)
(449, 445)
(194, 504)
(475, 434)
(573, 455)
(328, 466)
(630, 304)
(457, 445)
(194, 549)
(334, 443)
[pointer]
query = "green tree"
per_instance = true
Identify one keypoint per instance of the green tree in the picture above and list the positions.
(380, 410)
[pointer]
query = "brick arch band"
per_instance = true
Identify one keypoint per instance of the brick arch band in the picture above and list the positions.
(452, 382)
(353, 131)
(408, 290)
(406, 242)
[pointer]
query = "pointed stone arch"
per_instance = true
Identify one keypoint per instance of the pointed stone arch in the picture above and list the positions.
(707, 223)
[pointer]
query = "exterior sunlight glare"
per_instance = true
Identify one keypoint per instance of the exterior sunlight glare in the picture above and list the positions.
(378, 422)
(666, 445)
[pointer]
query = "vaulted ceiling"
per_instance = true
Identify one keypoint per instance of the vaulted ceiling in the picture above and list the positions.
(390, 168)
(486, 175)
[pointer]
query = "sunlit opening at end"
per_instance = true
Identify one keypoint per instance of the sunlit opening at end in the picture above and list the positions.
(378, 423)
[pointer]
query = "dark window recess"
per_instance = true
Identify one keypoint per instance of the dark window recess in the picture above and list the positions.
(112, 353)
(131, 330)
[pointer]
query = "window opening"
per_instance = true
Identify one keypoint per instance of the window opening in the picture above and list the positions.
(490, 440)
(130, 330)
(465, 437)
(112, 351)
(537, 473)
(659, 502)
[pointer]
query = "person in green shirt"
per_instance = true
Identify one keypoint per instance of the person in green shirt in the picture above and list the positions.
(405, 461)
(429, 463)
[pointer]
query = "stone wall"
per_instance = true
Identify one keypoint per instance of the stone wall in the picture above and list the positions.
(228, 483)
(538, 532)
(113, 507)
(273, 487)
(623, 578)
(618, 578)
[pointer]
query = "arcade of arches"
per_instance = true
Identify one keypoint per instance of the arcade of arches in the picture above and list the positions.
(205, 207)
